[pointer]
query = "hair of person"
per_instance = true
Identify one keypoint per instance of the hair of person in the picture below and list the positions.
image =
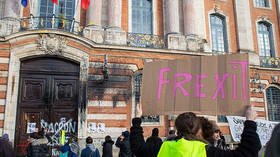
(273, 145)
(108, 138)
(187, 125)
(155, 132)
(89, 140)
(207, 129)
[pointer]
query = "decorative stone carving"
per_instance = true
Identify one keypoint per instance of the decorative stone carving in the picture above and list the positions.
(115, 36)
(195, 43)
(52, 44)
(95, 33)
(176, 41)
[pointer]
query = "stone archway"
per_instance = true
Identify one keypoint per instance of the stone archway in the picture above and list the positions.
(47, 45)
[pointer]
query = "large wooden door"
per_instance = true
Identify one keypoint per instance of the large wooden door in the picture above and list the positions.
(48, 98)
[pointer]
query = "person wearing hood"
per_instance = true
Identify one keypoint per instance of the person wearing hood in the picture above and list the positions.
(124, 145)
(155, 142)
(107, 147)
(90, 150)
(6, 148)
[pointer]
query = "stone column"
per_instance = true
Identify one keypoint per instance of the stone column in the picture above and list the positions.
(194, 18)
(12, 8)
(94, 13)
(94, 30)
(114, 33)
(115, 13)
(172, 16)
(174, 38)
(244, 26)
(34, 9)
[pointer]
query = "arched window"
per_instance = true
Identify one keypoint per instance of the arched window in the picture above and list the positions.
(142, 16)
(218, 33)
(273, 103)
(137, 94)
(64, 10)
(265, 39)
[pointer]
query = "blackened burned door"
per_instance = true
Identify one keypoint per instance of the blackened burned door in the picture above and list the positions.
(48, 98)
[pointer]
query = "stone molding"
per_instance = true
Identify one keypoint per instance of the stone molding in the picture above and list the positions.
(52, 44)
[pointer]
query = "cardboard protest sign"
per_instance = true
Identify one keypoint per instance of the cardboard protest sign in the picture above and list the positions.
(264, 128)
(212, 85)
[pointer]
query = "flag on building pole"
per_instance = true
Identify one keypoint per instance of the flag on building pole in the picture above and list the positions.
(55, 2)
(85, 4)
(24, 3)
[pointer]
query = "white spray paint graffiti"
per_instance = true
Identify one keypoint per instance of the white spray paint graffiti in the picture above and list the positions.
(55, 129)
(69, 126)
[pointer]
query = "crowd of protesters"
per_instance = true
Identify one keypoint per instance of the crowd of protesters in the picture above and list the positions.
(194, 137)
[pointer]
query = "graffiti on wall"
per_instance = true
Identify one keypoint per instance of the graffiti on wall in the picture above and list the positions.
(54, 129)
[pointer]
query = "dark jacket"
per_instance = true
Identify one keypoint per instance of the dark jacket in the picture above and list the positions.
(248, 147)
(107, 149)
(38, 148)
(124, 146)
(154, 142)
(90, 151)
(139, 148)
(6, 150)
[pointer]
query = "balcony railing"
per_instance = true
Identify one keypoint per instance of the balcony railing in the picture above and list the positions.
(269, 62)
(12, 25)
(9, 26)
(145, 40)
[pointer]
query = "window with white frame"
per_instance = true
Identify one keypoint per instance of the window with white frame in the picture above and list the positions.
(142, 16)
(2, 8)
(265, 39)
(218, 33)
(64, 10)
(262, 3)
(273, 103)
(137, 91)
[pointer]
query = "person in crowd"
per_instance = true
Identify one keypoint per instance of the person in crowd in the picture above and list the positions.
(171, 135)
(6, 149)
(38, 145)
(107, 147)
(74, 147)
(6, 138)
(155, 142)
(188, 142)
(124, 145)
(272, 148)
(212, 134)
(69, 149)
(90, 150)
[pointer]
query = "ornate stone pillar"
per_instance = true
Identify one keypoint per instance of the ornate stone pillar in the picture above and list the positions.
(94, 30)
(194, 18)
(114, 34)
(94, 13)
(12, 8)
(115, 13)
(172, 16)
(244, 26)
(174, 38)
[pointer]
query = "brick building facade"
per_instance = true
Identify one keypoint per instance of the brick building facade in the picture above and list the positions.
(109, 44)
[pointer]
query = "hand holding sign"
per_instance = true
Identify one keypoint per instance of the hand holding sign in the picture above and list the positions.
(250, 114)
